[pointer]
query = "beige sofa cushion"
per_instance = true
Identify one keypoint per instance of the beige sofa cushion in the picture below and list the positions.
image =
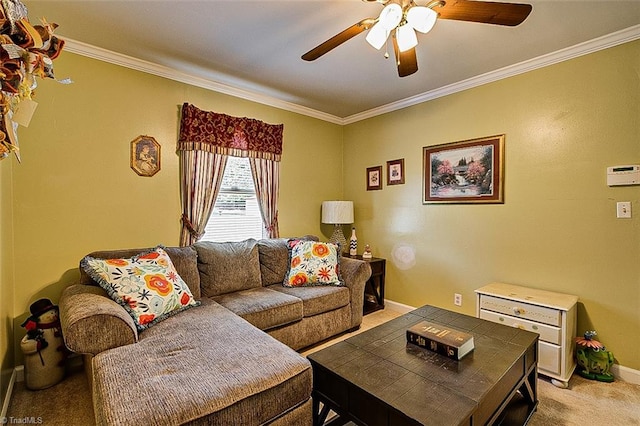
(263, 307)
(274, 260)
(205, 365)
(228, 267)
(318, 299)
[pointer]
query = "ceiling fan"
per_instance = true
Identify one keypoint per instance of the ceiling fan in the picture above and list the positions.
(400, 19)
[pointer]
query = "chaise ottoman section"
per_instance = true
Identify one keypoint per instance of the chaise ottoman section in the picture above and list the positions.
(204, 366)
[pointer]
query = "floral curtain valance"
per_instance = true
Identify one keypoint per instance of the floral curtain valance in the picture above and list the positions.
(224, 134)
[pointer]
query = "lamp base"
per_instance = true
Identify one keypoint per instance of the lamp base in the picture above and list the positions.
(338, 238)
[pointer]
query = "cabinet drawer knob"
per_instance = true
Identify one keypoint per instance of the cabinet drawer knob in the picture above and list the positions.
(518, 311)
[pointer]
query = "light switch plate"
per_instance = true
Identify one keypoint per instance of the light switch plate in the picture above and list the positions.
(623, 210)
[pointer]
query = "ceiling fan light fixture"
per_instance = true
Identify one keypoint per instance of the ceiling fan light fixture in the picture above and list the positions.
(390, 16)
(377, 36)
(406, 38)
(421, 18)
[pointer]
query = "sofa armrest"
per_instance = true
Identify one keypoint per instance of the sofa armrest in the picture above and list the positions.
(92, 322)
(355, 274)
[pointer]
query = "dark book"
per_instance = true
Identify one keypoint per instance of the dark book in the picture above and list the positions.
(438, 338)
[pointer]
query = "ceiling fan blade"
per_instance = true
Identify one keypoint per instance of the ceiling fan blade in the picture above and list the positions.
(510, 14)
(338, 39)
(407, 61)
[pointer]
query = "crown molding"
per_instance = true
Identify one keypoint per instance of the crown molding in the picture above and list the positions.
(94, 52)
(610, 40)
(585, 48)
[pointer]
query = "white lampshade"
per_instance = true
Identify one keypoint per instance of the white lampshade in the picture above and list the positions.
(377, 36)
(337, 212)
(406, 38)
(390, 16)
(421, 18)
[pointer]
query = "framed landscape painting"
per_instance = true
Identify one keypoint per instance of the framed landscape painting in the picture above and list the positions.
(464, 172)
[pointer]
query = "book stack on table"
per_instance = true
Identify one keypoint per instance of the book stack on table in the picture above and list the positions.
(444, 340)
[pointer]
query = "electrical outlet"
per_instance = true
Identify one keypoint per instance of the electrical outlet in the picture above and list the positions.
(457, 299)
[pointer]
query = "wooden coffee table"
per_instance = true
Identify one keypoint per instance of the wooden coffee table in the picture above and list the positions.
(375, 378)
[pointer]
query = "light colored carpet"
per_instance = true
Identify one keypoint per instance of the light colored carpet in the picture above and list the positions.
(585, 402)
(68, 403)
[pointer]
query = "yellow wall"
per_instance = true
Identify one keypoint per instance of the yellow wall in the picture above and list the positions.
(557, 230)
(75, 192)
(6, 278)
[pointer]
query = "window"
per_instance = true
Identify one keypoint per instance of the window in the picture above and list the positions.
(236, 215)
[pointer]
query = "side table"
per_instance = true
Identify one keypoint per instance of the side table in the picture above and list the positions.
(374, 288)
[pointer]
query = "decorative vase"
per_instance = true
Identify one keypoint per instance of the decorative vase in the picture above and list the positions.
(353, 243)
(338, 238)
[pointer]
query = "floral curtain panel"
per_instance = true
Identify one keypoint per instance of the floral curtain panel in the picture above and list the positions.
(266, 179)
(206, 140)
(201, 173)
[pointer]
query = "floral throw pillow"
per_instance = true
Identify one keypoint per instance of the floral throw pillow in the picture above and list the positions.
(146, 285)
(313, 263)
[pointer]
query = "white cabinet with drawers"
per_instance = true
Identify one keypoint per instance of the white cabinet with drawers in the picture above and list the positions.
(551, 315)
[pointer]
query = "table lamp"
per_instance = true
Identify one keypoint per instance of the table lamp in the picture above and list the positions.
(338, 213)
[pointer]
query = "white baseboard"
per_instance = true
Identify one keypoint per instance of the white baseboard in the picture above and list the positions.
(398, 307)
(7, 398)
(626, 374)
(19, 370)
(620, 372)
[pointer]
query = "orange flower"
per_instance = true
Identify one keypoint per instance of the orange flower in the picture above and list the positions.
(149, 256)
(146, 318)
(295, 261)
(324, 274)
(133, 303)
(298, 280)
(184, 299)
(158, 283)
(320, 250)
(117, 262)
(589, 343)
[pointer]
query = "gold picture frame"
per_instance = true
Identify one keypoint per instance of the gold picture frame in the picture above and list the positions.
(145, 156)
(465, 172)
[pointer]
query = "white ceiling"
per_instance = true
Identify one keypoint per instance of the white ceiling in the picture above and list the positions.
(256, 45)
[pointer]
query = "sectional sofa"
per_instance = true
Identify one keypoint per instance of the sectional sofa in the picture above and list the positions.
(230, 360)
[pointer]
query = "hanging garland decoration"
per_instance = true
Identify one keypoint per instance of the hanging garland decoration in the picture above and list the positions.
(26, 52)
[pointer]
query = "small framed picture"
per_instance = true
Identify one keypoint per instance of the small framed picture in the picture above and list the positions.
(145, 156)
(374, 178)
(395, 172)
